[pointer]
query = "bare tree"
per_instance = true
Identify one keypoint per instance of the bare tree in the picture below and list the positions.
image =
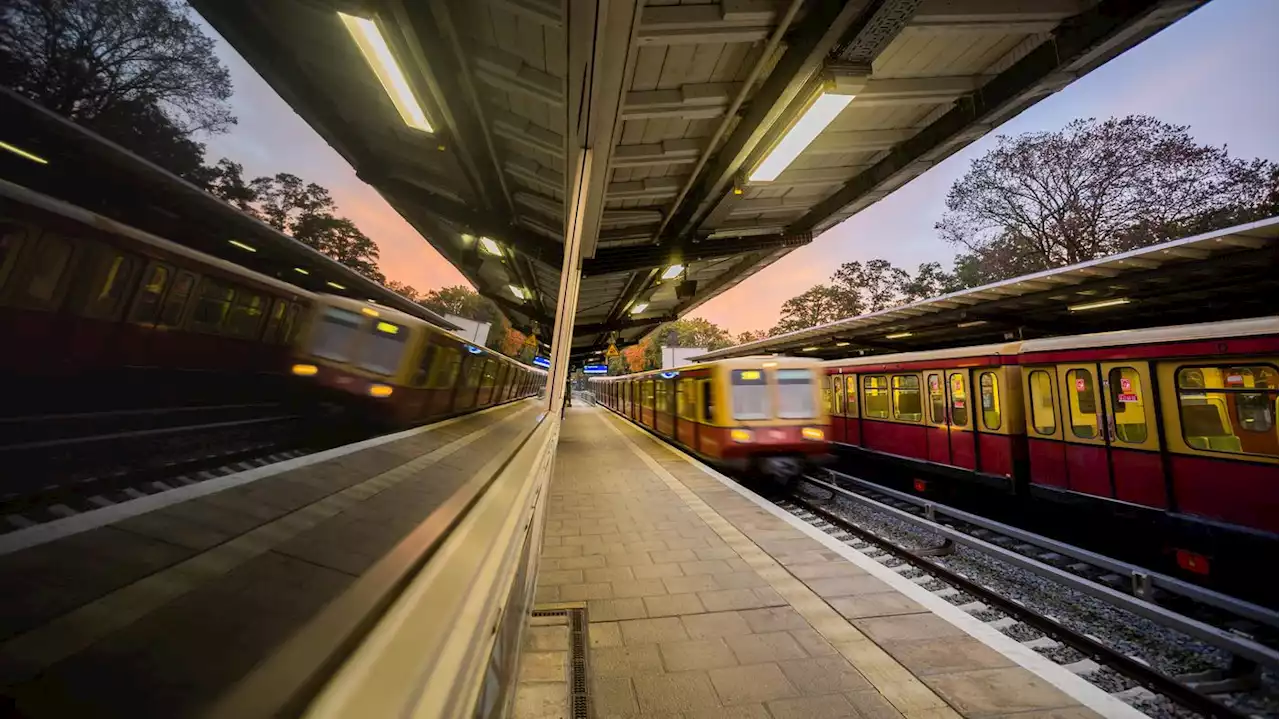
(1048, 199)
(83, 58)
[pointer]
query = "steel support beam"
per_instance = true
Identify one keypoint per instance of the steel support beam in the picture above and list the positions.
(622, 324)
(626, 259)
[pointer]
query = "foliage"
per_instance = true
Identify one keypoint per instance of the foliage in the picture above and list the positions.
(690, 332)
(405, 291)
(817, 305)
(460, 301)
(1048, 199)
(138, 72)
(750, 336)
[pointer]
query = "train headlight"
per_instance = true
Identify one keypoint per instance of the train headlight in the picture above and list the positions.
(740, 435)
(305, 370)
(380, 390)
(813, 433)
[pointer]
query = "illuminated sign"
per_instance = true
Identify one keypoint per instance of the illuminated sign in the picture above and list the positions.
(669, 375)
(474, 350)
(387, 327)
(750, 374)
(596, 369)
(542, 362)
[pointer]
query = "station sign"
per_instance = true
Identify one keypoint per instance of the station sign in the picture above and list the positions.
(542, 362)
(596, 369)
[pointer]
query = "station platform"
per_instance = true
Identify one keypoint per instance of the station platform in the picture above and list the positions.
(703, 600)
(157, 607)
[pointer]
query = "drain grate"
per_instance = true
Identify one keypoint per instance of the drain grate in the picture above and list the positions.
(579, 678)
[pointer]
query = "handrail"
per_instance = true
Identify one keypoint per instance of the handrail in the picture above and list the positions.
(418, 628)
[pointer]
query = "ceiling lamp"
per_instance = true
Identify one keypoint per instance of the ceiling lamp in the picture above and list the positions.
(490, 246)
(672, 272)
(1099, 304)
(640, 307)
(897, 336)
(378, 54)
(814, 120)
(517, 291)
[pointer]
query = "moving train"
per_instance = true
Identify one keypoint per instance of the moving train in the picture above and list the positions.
(763, 415)
(100, 315)
(1165, 435)
(400, 370)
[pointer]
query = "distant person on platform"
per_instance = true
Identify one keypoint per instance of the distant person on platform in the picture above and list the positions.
(568, 396)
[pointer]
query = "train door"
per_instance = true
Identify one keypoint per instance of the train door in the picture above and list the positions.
(833, 393)
(1046, 448)
(1086, 444)
(960, 431)
(937, 432)
(1134, 454)
(852, 423)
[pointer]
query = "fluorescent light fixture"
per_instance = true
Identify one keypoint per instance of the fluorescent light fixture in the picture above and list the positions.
(335, 285)
(809, 349)
(807, 128)
(672, 272)
(974, 323)
(301, 271)
(242, 245)
(1099, 304)
(517, 291)
(490, 246)
(23, 153)
(842, 344)
(897, 335)
(378, 54)
(641, 307)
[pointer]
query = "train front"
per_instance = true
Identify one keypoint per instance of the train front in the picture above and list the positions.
(777, 425)
(354, 354)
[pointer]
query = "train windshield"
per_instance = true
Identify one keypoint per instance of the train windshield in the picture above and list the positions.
(335, 335)
(750, 394)
(384, 347)
(795, 394)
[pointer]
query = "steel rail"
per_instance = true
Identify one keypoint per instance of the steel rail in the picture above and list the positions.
(1132, 668)
(1235, 644)
(1140, 577)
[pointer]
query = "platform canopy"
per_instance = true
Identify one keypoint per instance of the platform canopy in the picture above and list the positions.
(471, 116)
(1223, 275)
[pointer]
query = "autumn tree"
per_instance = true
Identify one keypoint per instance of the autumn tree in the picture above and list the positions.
(406, 291)
(817, 305)
(750, 336)
(138, 72)
(460, 301)
(689, 332)
(1048, 199)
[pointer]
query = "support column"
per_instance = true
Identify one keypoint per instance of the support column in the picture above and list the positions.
(570, 276)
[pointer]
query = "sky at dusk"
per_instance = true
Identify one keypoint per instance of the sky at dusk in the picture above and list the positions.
(1215, 70)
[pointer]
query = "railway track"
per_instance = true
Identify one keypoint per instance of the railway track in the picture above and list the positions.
(56, 466)
(1166, 647)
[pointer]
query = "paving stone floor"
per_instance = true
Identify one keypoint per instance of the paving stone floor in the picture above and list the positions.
(702, 604)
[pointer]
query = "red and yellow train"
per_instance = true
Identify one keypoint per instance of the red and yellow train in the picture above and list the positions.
(1172, 429)
(758, 414)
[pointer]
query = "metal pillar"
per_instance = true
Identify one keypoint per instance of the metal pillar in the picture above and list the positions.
(570, 276)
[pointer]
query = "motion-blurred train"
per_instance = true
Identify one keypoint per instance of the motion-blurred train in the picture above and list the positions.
(100, 315)
(762, 415)
(1165, 436)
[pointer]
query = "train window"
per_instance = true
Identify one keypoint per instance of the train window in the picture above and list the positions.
(836, 391)
(52, 258)
(246, 314)
(147, 307)
(336, 334)
(660, 397)
(212, 305)
(827, 402)
(685, 403)
(708, 400)
(795, 394)
(750, 394)
(851, 396)
(490, 376)
(275, 321)
(875, 397)
(1229, 408)
(1127, 411)
(10, 243)
(989, 393)
(1043, 419)
(906, 397)
(959, 399)
(937, 400)
(424, 366)
(116, 281)
(447, 364)
(647, 387)
(474, 368)
(176, 301)
(1083, 411)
